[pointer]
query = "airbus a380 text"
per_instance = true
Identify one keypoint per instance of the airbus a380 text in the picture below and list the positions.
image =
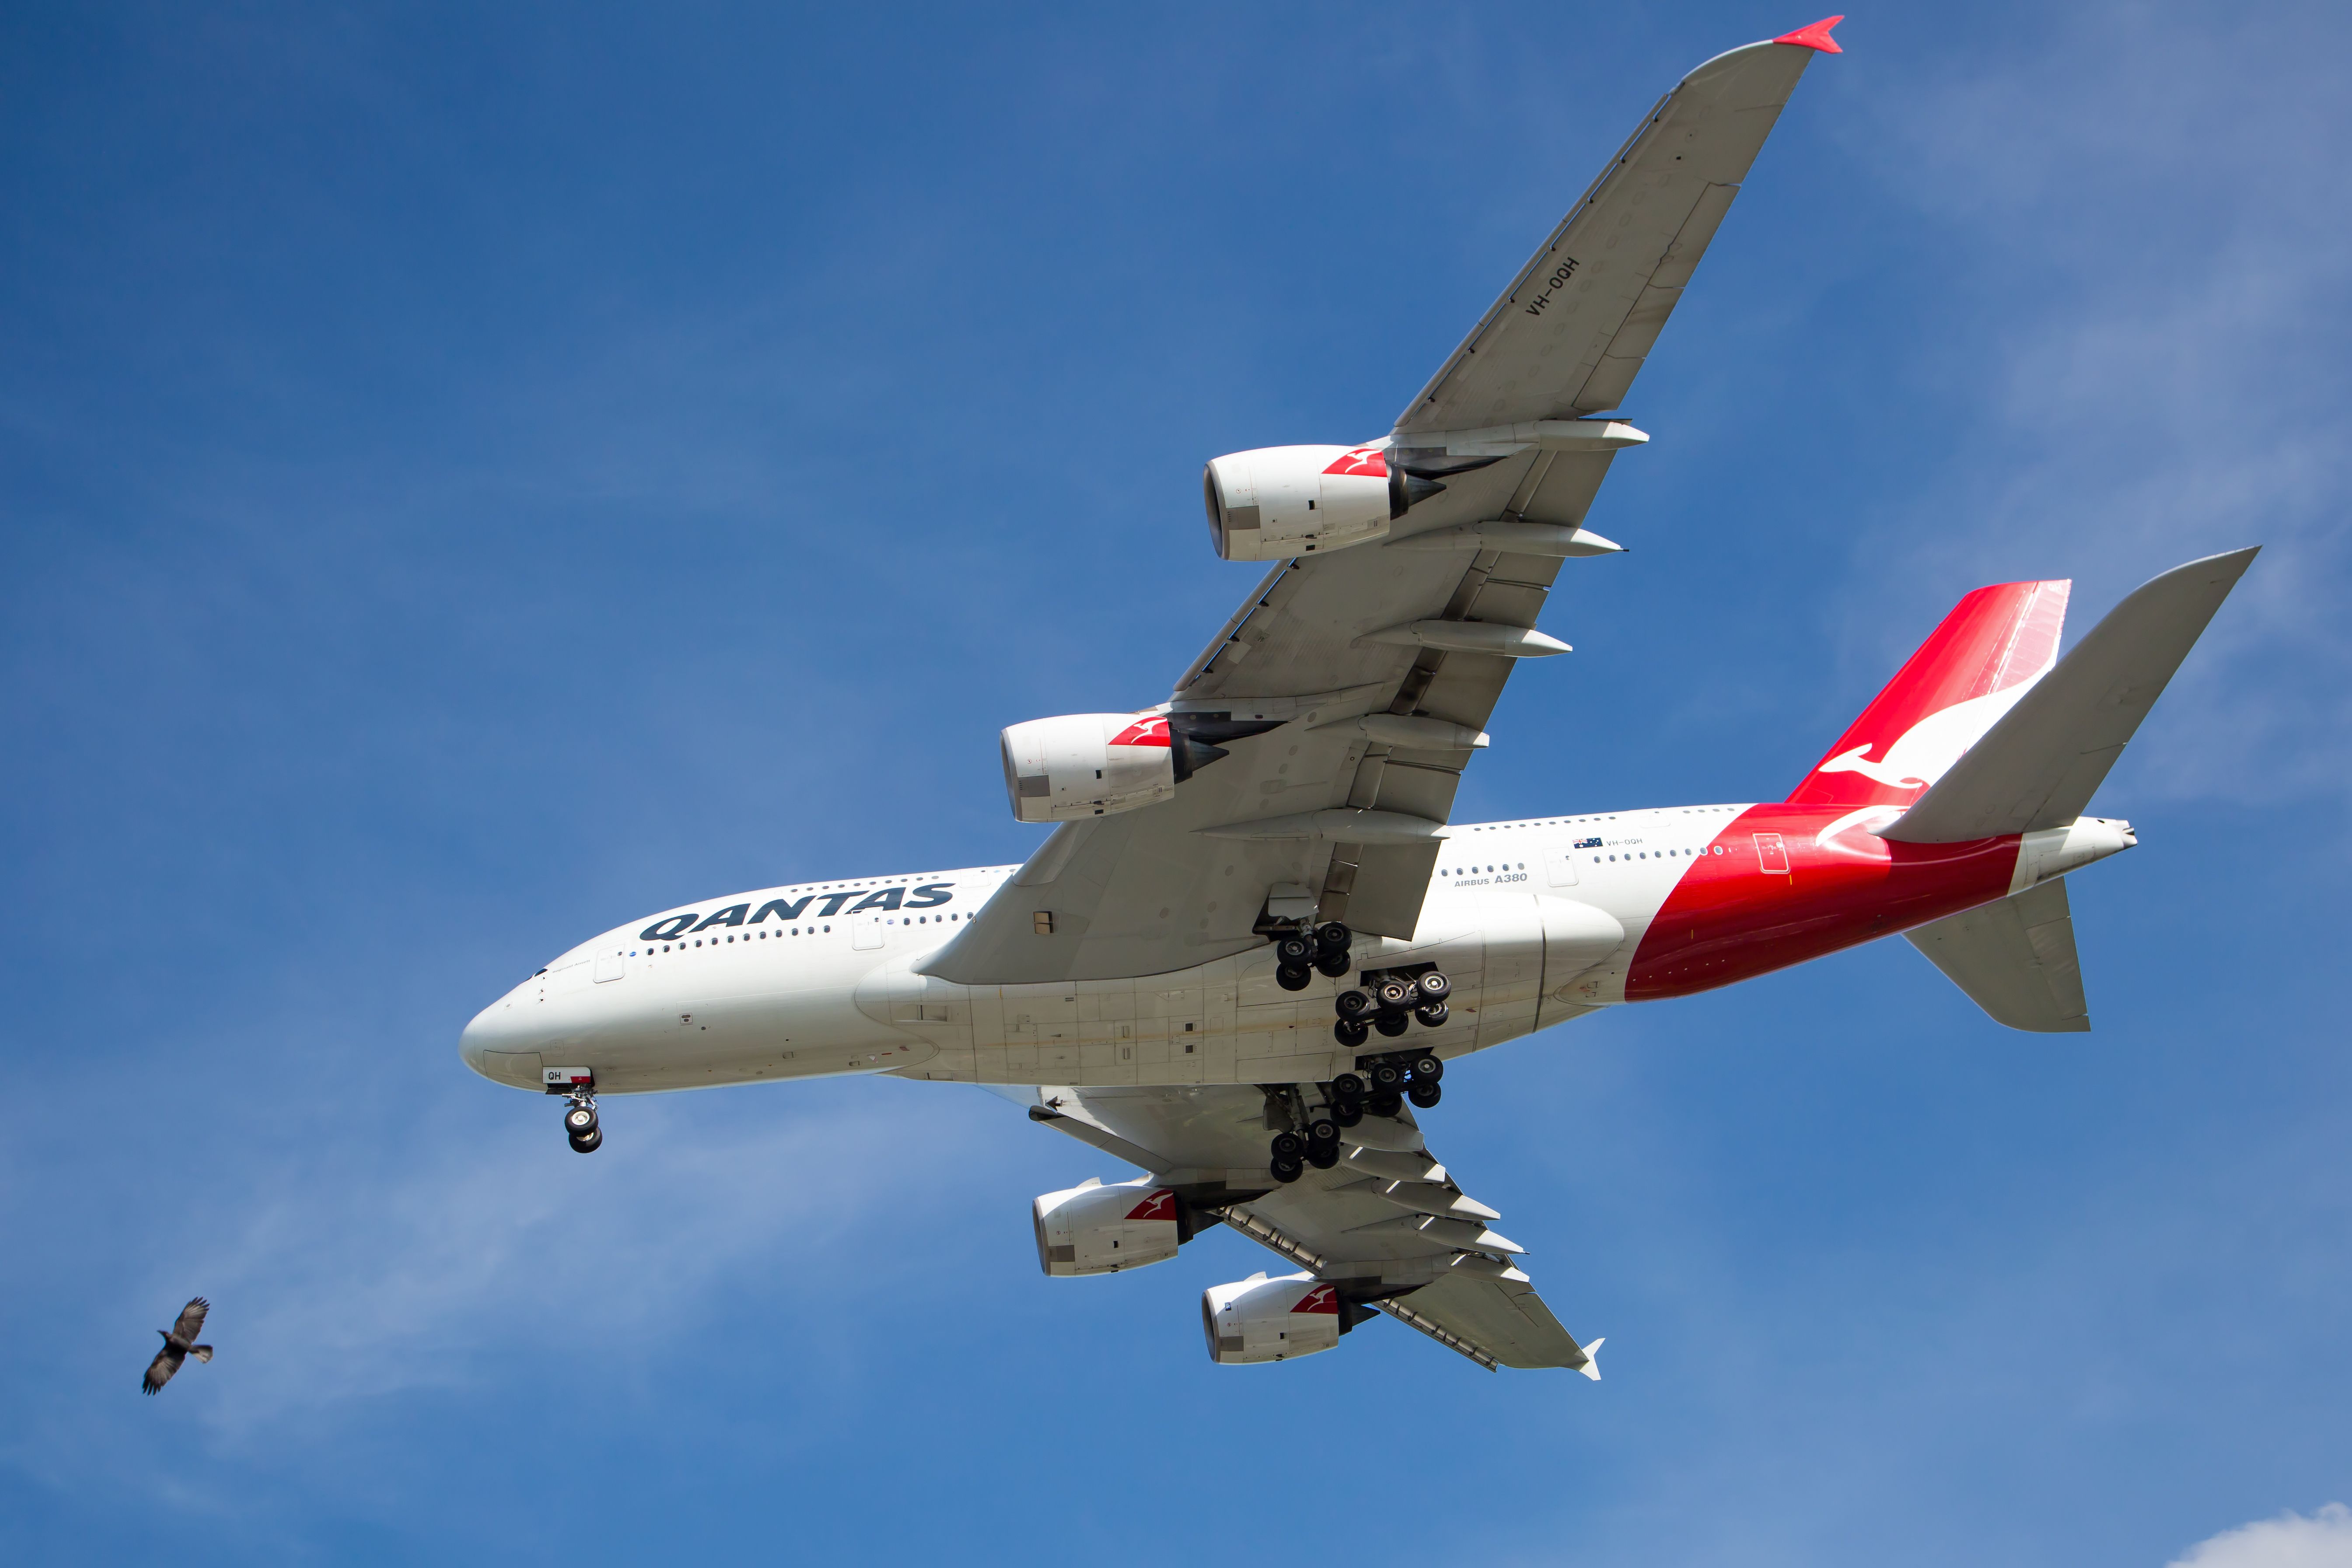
(1255, 943)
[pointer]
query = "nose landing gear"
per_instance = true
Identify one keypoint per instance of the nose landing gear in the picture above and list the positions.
(580, 1121)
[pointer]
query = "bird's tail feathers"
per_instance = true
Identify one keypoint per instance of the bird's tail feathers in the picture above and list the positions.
(202, 1353)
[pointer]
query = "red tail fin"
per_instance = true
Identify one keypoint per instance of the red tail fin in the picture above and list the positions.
(1996, 643)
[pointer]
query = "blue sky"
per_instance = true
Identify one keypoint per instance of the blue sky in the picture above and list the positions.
(472, 476)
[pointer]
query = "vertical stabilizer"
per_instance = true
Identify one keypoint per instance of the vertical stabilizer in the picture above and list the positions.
(1988, 653)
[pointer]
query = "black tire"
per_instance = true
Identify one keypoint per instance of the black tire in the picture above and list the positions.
(1432, 1015)
(1322, 1130)
(1427, 1068)
(1387, 1077)
(1392, 1024)
(1287, 1171)
(1425, 1094)
(1334, 965)
(1323, 1156)
(1348, 1085)
(1387, 1104)
(1349, 1032)
(1333, 937)
(1353, 1004)
(579, 1121)
(1434, 986)
(1393, 993)
(1294, 951)
(1288, 1145)
(591, 1144)
(1347, 1112)
(1291, 979)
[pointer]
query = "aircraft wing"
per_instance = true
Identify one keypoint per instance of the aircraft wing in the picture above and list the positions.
(1570, 334)
(1330, 810)
(1388, 1225)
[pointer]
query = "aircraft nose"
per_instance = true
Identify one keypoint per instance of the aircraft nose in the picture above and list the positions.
(494, 1042)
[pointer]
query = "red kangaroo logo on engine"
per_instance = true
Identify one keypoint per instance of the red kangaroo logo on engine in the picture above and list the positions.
(1143, 732)
(1322, 1299)
(1369, 461)
(1161, 1205)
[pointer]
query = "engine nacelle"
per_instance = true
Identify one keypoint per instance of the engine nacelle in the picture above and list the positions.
(1087, 764)
(1290, 501)
(1262, 1319)
(1096, 1229)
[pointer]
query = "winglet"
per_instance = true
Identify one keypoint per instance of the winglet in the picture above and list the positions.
(1592, 1367)
(1816, 37)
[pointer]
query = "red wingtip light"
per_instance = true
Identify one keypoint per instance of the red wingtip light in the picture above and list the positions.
(1816, 37)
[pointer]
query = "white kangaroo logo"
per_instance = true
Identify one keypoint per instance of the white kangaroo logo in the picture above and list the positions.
(1932, 745)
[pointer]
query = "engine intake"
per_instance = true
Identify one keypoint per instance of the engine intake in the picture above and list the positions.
(1262, 1319)
(1096, 1229)
(1292, 500)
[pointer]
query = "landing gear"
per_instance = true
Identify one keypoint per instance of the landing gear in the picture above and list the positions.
(1351, 1032)
(1333, 964)
(1432, 1015)
(1392, 1024)
(1394, 1081)
(1424, 1095)
(1292, 978)
(580, 1123)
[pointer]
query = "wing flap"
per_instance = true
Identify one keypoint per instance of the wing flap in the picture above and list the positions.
(2014, 959)
(1503, 1318)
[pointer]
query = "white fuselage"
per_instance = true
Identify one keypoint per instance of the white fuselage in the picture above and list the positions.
(822, 979)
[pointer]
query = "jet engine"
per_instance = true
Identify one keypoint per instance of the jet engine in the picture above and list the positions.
(1293, 501)
(1092, 764)
(1096, 1229)
(1262, 1319)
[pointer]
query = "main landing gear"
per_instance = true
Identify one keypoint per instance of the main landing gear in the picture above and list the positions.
(1311, 1116)
(580, 1121)
(1304, 953)
(1391, 1004)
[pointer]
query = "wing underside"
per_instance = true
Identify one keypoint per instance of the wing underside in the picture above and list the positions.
(1389, 1224)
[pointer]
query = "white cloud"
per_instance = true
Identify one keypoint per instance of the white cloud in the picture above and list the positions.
(2323, 1540)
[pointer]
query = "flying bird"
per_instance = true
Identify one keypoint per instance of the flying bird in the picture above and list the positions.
(179, 1344)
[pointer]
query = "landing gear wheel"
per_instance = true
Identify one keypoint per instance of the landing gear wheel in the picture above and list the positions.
(1323, 1156)
(1294, 952)
(1387, 1103)
(1392, 1024)
(1394, 993)
(1387, 1077)
(1425, 1094)
(1288, 1146)
(1347, 1112)
(1349, 1032)
(589, 1144)
(1287, 1171)
(580, 1121)
(1333, 937)
(1427, 1068)
(1432, 1015)
(1352, 1006)
(1348, 1085)
(1334, 965)
(1291, 979)
(1434, 986)
(1322, 1130)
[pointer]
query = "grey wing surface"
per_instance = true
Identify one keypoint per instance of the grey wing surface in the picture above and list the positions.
(1570, 334)
(1389, 1224)
(1348, 815)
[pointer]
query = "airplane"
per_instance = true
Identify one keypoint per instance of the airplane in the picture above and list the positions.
(1254, 943)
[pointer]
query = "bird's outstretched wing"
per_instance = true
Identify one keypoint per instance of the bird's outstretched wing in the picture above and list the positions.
(192, 1320)
(159, 1371)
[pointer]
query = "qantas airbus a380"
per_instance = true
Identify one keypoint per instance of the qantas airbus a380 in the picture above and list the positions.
(1254, 944)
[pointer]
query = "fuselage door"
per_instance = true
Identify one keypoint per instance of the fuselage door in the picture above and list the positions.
(610, 966)
(866, 931)
(1560, 861)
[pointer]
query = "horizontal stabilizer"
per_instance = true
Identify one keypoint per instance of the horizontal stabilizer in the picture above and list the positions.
(2015, 959)
(2041, 761)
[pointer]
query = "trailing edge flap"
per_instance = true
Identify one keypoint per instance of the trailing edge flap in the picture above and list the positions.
(2015, 959)
(2040, 763)
(1504, 1318)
